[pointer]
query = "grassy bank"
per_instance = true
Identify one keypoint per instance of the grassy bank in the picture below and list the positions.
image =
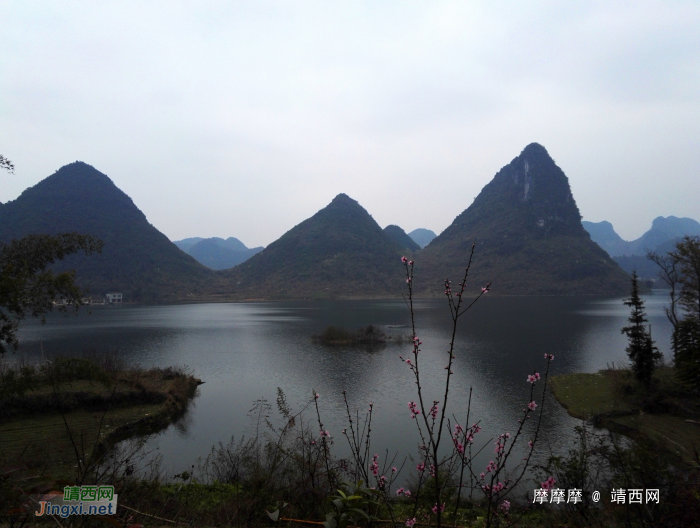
(48, 411)
(667, 412)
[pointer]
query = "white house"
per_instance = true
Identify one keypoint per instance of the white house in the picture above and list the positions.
(114, 298)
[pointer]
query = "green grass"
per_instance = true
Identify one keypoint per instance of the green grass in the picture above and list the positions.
(613, 399)
(586, 396)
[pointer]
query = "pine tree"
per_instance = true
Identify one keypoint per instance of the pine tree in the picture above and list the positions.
(640, 349)
(687, 346)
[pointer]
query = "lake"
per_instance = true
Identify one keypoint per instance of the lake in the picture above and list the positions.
(244, 351)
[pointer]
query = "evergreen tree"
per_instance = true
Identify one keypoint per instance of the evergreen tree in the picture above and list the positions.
(687, 347)
(686, 336)
(640, 349)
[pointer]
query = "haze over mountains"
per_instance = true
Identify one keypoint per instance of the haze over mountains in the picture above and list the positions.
(422, 237)
(631, 256)
(217, 253)
(528, 231)
(662, 231)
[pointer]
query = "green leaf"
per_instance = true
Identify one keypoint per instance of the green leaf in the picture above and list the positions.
(364, 514)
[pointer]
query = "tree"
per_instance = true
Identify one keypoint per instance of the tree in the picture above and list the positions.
(680, 269)
(686, 336)
(6, 164)
(640, 349)
(27, 286)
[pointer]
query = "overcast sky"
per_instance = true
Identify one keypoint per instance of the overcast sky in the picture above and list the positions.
(243, 118)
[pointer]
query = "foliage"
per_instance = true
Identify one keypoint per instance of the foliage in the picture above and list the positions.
(687, 254)
(687, 344)
(351, 506)
(640, 349)
(680, 270)
(137, 260)
(6, 164)
(600, 461)
(16, 381)
(67, 369)
(28, 285)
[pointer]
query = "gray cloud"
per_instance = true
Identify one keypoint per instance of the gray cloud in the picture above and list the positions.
(244, 118)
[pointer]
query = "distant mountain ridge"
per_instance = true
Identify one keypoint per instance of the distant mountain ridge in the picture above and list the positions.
(631, 256)
(422, 236)
(137, 259)
(528, 231)
(217, 253)
(528, 235)
(661, 232)
(339, 252)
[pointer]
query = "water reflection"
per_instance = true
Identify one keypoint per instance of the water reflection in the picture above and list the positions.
(245, 351)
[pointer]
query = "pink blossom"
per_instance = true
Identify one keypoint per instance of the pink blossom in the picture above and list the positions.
(410, 263)
(485, 290)
(421, 467)
(532, 405)
(407, 493)
(317, 395)
(400, 491)
(530, 444)
(375, 466)
(410, 522)
(505, 506)
(482, 475)
(404, 260)
(531, 379)
(549, 483)
(393, 470)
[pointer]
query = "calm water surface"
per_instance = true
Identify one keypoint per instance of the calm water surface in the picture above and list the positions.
(245, 351)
